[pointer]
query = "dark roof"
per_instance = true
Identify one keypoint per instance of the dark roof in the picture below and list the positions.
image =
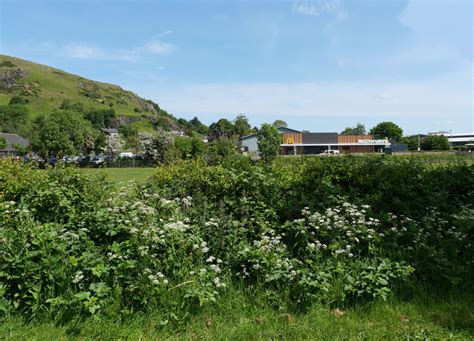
(13, 139)
(280, 129)
(287, 130)
(247, 137)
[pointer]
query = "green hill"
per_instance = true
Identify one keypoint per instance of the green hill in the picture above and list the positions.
(45, 89)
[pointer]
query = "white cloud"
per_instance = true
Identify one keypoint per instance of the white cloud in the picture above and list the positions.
(82, 51)
(317, 7)
(163, 34)
(396, 101)
(159, 47)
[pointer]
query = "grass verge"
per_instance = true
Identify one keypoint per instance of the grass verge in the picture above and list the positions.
(241, 316)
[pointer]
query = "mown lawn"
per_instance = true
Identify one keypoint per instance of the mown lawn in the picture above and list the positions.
(123, 176)
(239, 317)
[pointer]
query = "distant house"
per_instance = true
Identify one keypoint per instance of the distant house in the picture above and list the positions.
(110, 131)
(12, 141)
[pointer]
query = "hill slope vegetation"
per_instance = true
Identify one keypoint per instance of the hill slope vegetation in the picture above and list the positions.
(42, 89)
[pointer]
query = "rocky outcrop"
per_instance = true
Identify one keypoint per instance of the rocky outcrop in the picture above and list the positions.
(119, 121)
(10, 79)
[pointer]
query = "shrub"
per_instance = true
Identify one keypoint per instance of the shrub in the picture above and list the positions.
(305, 231)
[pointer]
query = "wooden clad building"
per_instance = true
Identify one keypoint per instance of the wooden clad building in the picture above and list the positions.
(292, 138)
(295, 142)
(354, 139)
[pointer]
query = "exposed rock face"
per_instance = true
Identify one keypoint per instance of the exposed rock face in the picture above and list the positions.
(143, 105)
(9, 79)
(119, 121)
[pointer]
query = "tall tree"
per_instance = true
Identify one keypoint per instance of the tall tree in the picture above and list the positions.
(158, 148)
(62, 133)
(359, 129)
(280, 123)
(387, 130)
(269, 140)
(199, 127)
(241, 125)
(435, 142)
(221, 128)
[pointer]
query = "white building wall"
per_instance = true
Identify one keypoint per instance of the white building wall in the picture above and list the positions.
(250, 143)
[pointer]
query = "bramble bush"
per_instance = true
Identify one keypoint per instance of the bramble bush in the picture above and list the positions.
(301, 231)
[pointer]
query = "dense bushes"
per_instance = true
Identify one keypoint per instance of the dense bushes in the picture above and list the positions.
(300, 231)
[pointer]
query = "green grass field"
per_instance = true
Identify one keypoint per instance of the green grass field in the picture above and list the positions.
(424, 317)
(123, 176)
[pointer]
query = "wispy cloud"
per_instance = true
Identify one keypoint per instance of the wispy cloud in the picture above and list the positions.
(163, 34)
(157, 46)
(318, 7)
(82, 51)
(395, 100)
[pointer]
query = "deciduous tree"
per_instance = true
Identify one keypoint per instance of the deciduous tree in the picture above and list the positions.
(280, 123)
(359, 129)
(435, 142)
(269, 140)
(387, 130)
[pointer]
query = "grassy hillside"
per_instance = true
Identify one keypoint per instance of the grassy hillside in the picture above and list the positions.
(46, 88)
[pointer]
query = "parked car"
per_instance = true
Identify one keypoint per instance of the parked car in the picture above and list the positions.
(126, 155)
(97, 161)
(71, 159)
(330, 152)
(83, 161)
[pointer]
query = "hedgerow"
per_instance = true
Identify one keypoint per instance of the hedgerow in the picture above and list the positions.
(300, 231)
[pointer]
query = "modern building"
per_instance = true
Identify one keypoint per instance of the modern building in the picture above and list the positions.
(317, 143)
(456, 139)
(249, 143)
(295, 142)
(12, 141)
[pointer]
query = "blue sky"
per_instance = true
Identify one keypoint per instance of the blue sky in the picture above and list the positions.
(320, 65)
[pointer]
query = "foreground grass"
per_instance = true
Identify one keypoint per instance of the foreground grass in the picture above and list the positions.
(243, 317)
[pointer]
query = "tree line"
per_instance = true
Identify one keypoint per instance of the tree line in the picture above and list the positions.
(74, 130)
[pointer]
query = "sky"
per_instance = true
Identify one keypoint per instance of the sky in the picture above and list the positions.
(320, 65)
